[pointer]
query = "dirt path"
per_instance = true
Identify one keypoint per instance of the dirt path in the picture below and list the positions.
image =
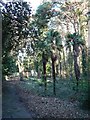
(12, 107)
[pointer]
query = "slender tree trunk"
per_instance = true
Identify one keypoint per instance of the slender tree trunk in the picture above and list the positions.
(57, 72)
(20, 71)
(64, 66)
(38, 73)
(84, 62)
(44, 75)
(54, 57)
(44, 70)
(21, 76)
(60, 69)
(60, 65)
(76, 66)
(54, 77)
(70, 63)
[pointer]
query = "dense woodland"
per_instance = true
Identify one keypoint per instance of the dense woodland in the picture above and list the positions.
(49, 45)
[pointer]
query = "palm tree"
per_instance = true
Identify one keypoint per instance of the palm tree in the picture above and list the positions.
(42, 51)
(75, 40)
(54, 41)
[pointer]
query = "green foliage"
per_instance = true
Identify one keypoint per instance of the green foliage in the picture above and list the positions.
(74, 39)
(53, 35)
(43, 14)
(15, 16)
(9, 65)
(25, 64)
(84, 62)
(17, 27)
(48, 68)
(36, 64)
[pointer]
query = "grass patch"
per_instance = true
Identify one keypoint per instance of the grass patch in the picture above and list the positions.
(65, 89)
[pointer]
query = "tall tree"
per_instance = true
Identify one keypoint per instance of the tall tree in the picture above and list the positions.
(40, 27)
(55, 43)
(75, 40)
(15, 17)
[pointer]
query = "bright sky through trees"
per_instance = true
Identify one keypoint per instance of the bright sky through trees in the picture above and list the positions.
(34, 3)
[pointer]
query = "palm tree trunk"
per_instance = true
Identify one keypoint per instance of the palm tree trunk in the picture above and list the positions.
(53, 58)
(60, 65)
(60, 68)
(57, 72)
(71, 62)
(38, 73)
(44, 70)
(64, 65)
(54, 77)
(84, 62)
(76, 66)
(44, 75)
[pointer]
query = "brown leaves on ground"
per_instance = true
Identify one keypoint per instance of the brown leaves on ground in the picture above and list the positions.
(46, 107)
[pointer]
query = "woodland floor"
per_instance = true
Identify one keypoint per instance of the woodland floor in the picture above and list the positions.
(19, 102)
(12, 106)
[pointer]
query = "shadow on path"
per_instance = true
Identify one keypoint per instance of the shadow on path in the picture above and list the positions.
(12, 107)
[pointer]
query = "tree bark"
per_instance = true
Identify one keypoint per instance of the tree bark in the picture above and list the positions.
(57, 72)
(64, 65)
(54, 77)
(20, 70)
(54, 57)
(60, 65)
(38, 74)
(44, 70)
(84, 62)
(21, 76)
(76, 66)
(44, 75)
